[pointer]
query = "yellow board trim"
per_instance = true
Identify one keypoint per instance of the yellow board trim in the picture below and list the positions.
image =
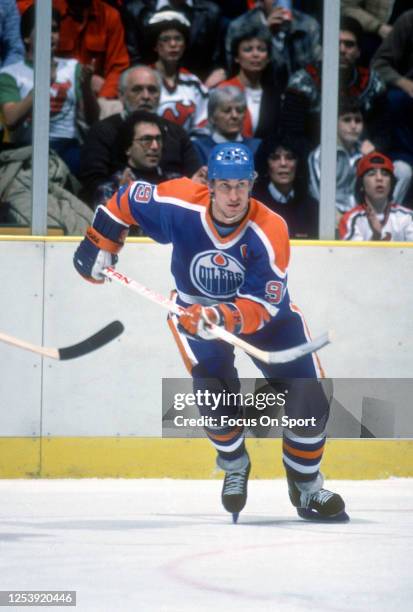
(123, 457)
(145, 240)
(20, 457)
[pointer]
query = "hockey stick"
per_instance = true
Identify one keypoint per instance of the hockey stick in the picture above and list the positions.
(102, 337)
(265, 356)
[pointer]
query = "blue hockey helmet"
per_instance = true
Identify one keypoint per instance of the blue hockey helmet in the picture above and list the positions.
(231, 160)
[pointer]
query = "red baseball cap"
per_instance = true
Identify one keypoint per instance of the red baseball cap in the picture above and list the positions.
(374, 160)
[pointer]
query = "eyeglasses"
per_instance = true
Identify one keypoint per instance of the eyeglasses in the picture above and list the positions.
(146, 141)
(348, 44)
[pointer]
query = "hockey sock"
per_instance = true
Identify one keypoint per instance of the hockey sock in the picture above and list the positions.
(228, 441)
(302, 455)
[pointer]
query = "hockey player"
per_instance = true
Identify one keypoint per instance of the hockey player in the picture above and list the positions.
(229, 261)
(376, 217)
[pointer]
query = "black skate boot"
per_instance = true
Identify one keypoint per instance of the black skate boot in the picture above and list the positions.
(234, 490)
(315, 503)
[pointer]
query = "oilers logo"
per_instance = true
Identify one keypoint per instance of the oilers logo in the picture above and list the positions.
(217, 274)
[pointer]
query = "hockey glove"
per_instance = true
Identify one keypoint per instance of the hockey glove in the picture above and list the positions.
(196, 319)
(99, 248)
(89, 261)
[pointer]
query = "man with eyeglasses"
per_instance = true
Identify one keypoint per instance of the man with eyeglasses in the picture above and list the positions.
(229, 261)
(101, 156)
(141, 140)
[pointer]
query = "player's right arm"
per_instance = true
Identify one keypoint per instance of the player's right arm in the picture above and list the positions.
(134, 204)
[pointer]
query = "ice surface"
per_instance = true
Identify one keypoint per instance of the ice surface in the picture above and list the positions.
(168, 546)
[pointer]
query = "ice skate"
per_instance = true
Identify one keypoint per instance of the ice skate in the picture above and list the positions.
(234, 489)
(315, 503)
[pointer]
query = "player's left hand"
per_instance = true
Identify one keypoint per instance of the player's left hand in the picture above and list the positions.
(197, 320)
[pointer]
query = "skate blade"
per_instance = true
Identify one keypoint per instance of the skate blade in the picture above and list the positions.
(311, 515)
(235, 516)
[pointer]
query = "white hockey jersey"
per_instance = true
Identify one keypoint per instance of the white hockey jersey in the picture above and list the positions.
(397, 224)
(186, 103)
(63, 97)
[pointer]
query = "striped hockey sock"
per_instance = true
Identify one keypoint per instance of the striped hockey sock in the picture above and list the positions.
(228, 441)
(302, 455)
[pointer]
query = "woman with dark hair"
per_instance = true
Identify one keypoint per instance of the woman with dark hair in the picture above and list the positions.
(183, 97)
(283, 186)
(253, 74)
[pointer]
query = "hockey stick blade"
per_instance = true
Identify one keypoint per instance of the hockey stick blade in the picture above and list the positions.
(102, 337)
(269, 357)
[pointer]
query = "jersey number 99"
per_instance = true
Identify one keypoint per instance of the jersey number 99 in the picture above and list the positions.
(143, 193)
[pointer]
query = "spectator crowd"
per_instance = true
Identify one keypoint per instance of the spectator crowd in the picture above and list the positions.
(143, 89)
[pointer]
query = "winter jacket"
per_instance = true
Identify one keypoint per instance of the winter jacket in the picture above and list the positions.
(64, 210)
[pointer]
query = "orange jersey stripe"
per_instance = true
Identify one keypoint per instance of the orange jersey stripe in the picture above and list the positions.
(184, 189)
(122, 211)
(225, 437)
(275, 230)
(303, 454)
(181, 348)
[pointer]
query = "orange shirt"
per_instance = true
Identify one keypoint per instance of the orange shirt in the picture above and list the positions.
(99, 36)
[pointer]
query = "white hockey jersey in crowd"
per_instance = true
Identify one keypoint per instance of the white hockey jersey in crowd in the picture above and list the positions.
(63, 96)
(186, 103)
(397, 224)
